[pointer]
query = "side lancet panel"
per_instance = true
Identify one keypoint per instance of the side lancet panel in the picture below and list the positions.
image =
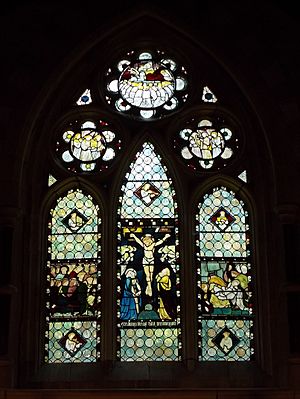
(224, 278)
(73, 280)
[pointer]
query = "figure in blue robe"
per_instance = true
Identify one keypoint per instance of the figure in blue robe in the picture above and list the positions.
(131, 299)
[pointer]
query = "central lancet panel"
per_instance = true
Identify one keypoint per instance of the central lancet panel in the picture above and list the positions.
(148, 270)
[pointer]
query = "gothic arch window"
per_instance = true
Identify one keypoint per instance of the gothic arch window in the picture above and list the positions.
(148, 272)
(148, 128)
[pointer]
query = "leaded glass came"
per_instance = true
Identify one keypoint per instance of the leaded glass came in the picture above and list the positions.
(224, 278)
(148, 268)
(73, 280)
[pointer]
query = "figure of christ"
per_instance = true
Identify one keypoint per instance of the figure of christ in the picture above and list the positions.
(147, 242)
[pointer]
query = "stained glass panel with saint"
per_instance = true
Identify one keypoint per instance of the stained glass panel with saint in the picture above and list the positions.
(225, 302)
(73, 280)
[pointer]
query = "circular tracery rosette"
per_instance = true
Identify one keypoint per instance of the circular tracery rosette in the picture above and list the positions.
(146, 85)
(205, 143)
(87, 146)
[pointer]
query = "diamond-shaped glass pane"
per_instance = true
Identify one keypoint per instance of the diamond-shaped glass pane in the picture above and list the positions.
(226, 340)
(74, 220)
(222, 219)
(72, 342)
(147, 193)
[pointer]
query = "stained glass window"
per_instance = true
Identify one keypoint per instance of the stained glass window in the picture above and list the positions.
(86, 146)
(148, 269)
(146, 85)
(224, 278)
(73, 280)
(204, 143)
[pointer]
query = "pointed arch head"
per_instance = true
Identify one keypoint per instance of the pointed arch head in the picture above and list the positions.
(74, 217)
(223, 215)
(148, 191)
